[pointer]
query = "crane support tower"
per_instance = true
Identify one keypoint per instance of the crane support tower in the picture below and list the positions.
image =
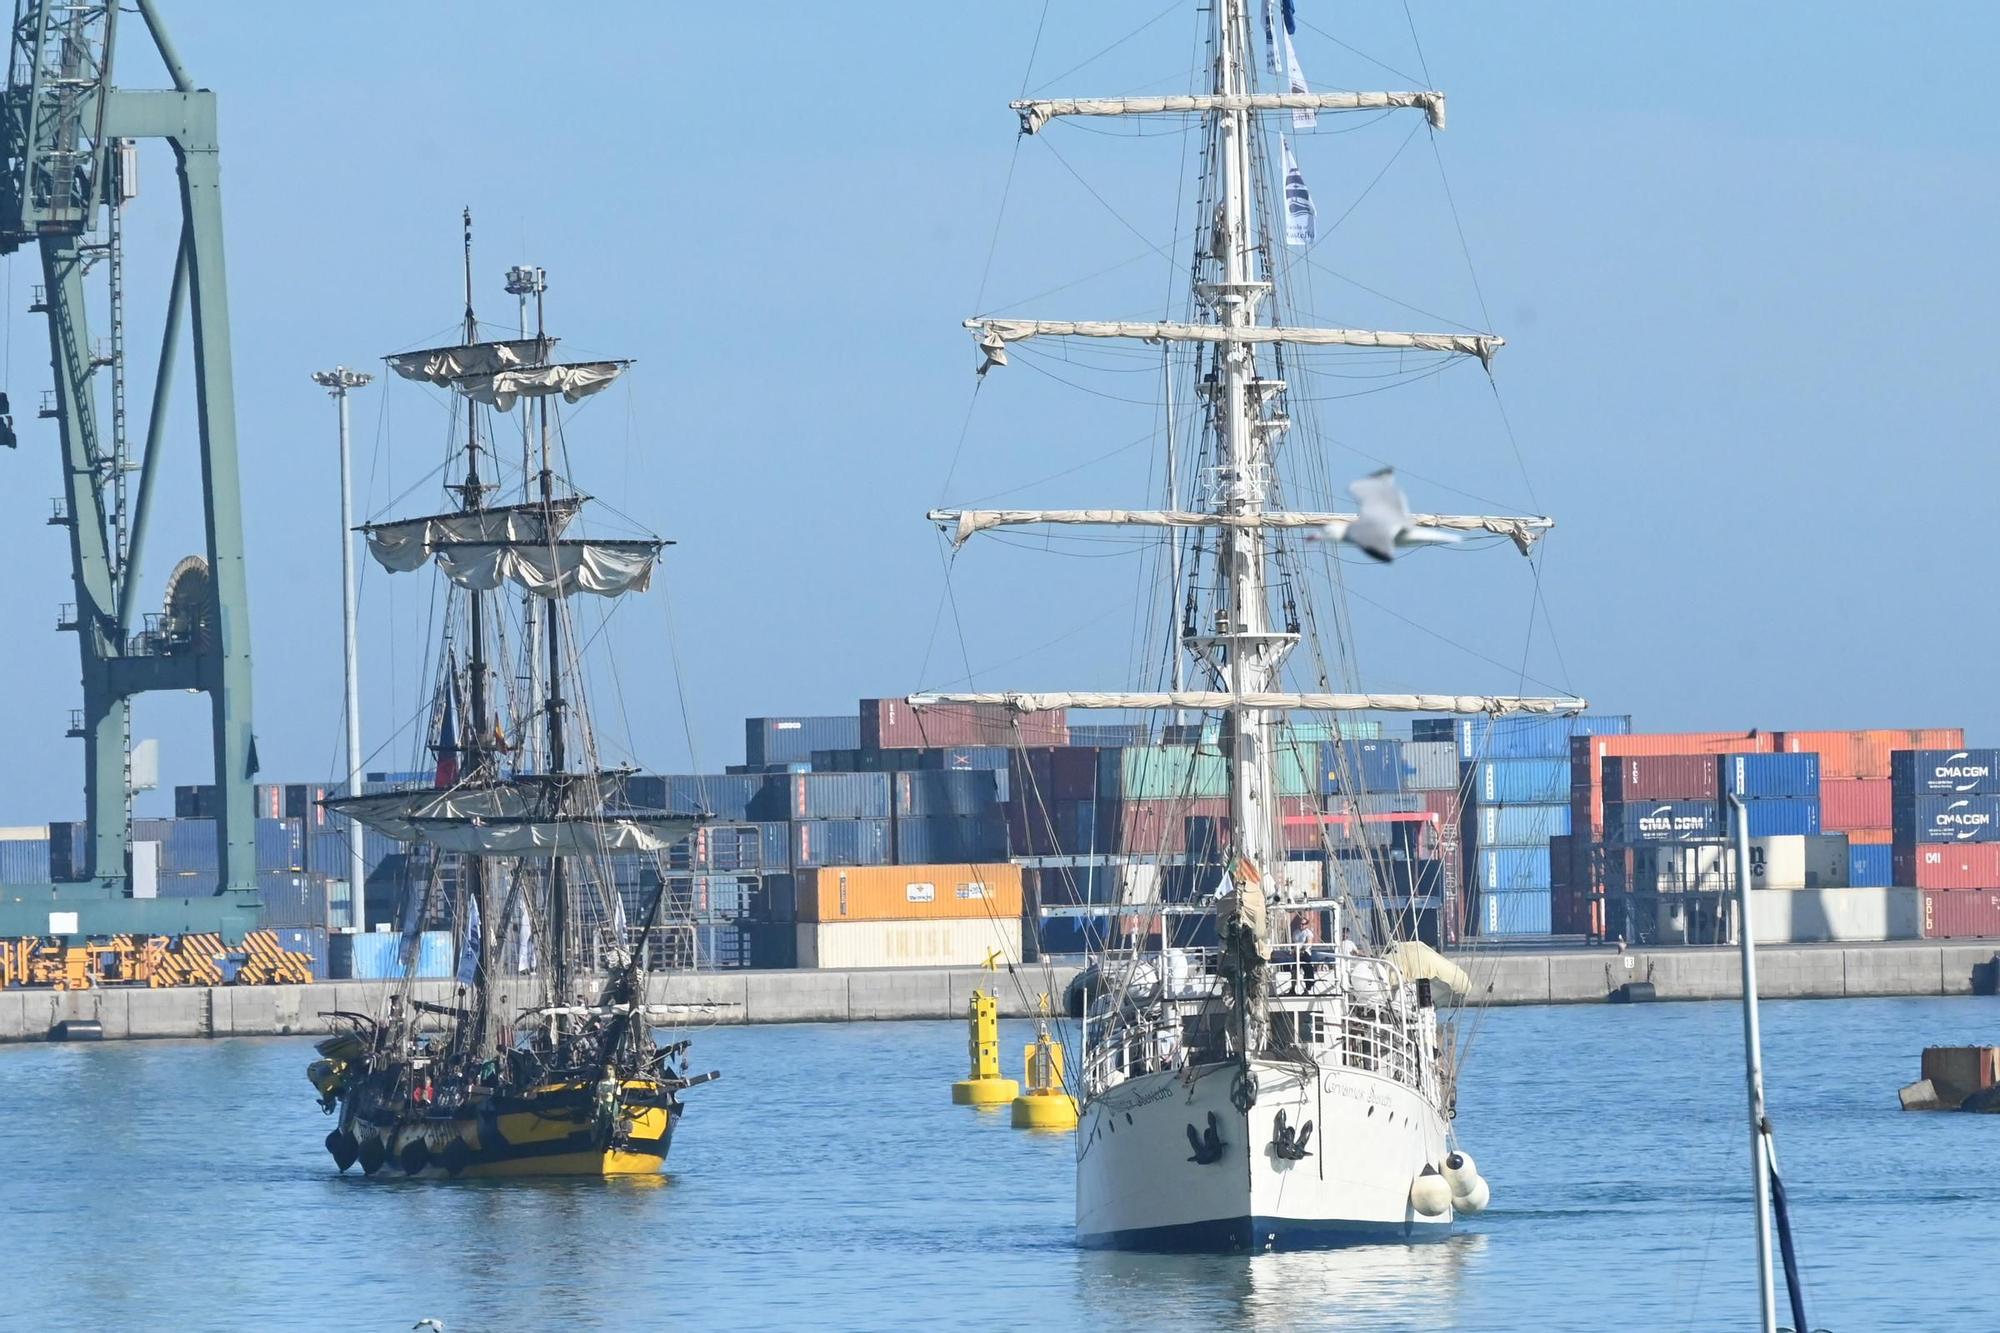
(70, 138)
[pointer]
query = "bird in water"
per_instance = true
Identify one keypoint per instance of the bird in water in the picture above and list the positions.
(1382, 525)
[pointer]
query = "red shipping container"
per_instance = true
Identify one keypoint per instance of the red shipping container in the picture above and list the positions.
(1865, 754)
(1660, 777)
(1853, 803)
(1151, 828)
(1955, 914)
(1949, 865)
(1868, 837)
(1056, 772)
(1587, 754)
(888, 724)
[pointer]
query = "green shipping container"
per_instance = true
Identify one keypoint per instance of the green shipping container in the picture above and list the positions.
(1175, 772)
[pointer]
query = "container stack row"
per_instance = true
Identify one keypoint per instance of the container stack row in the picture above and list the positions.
(1946, 837)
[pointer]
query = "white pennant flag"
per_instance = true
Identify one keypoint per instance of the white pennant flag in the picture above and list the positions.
(1270, 36)
(1300, 215)
(468, 954)
(1303, 118)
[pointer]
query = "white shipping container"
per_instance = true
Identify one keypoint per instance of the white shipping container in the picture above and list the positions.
(1814, 916)
(1432, 765)
(1702, 868)
(947, 943)
(1799, 862)
(1299, 881)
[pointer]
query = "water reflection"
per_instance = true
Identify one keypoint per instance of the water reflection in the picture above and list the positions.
(1374, 1286)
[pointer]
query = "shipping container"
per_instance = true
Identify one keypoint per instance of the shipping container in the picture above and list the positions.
(307, 940)
(1433, 766)
(1051, 773)
(1870, 867)
(841, 842)
(1503, 914)
(824, 796)
(1945, 772)
(1865, 754)
(1477, 738)
(1664, 821)
(1798, 862)
(776, 898)
(1950, 914)
(378, 956)
(1359, 766)
(893, 724)
(1109, 734)
(1778, 818)
(1660, 777)
(1675, 868)
(905, 893)
(787, 740)
(1854, 803)
(290, 899)
(721, 795)
(1861, 837)
(960, 792)
(934, 943)
(24, 861)
(1771, 776)
(774, 945)
(1513, 869)
(1920, 819)
(1947, 865)
(1517, 781)
(1162, 773)
(938, 838)
(1837, 915)
(1515, 825)
(1587, 755)
(836, 761)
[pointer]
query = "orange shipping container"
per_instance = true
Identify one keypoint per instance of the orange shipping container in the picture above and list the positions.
(1865, 754)
(1871, 837)
(910, 893)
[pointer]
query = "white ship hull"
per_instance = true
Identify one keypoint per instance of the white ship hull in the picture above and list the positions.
(1138, 1187)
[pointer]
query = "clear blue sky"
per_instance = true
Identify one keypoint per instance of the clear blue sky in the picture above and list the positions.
(1743, 256)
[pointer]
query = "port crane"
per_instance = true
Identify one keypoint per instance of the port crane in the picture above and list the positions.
(69, 137)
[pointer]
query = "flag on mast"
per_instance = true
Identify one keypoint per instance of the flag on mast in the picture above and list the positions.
(1291, 16)
(1271, 37)
(1303, 117)
(1301, 217)
(468, 954)
(447, 746)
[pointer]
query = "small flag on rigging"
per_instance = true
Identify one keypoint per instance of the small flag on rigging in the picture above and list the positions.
(1291, 17)
(1303, 117)
(468, 954)
(1301, 217)
(1271, 37)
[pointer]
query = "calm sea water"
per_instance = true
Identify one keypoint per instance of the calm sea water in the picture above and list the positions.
(826, 1181)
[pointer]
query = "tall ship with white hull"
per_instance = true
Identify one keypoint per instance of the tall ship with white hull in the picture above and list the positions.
(540, 1058)
(1288, 1083)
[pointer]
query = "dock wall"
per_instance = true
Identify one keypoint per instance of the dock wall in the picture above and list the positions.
(1563, 977)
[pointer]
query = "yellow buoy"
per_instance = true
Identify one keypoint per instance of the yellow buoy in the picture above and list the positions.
(984, 1086)
(1047, 1103)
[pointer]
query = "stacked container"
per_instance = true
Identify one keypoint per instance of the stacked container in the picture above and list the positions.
(792, 740)
(1946, 821)
(908, 916)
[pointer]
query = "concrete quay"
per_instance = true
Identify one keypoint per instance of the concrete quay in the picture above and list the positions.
(1510, 977)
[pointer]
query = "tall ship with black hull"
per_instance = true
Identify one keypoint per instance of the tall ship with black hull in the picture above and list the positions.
(539, 1058)
(1284, 1086)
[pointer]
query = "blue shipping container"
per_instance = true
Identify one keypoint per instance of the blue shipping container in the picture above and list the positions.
(1514, 913)
(1761, 776)
(1664, 821)
(1513, 869)
(24, 861)
(786, 740)
(1365, 766)
(840, 842)
(1780, 818)
(1518, 737)
(943, 839)
(721, 795)
(1947, 819)
(1871, 867)
(308, 940)
(1945, 772)
(963, 791)
(1517, 781)
(1516, 825)
(825, 796)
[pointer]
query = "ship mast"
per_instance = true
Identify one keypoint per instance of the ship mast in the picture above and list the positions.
(475, 744)
(559, 922)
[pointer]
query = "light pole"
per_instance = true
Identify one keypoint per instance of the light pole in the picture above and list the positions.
(337, 382)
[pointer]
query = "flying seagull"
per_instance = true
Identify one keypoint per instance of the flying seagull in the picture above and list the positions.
(1382, 525)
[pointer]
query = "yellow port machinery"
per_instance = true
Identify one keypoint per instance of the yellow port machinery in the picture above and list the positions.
(54, 963)
(984, 1086)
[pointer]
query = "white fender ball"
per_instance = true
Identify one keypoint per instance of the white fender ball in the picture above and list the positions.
(1430, 1195)
(1460, 1171)
(1475, 1199)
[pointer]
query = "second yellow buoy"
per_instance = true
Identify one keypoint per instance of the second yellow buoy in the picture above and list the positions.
(1047, 1103)
(984, 1086)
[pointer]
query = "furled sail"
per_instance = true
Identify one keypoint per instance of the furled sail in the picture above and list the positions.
(444, 365)
(1035, 114)
(544, 814)
(404, 545)
(991, 333)
(574, 380)
(1490, 704)
(551, 569)
(1523, 532)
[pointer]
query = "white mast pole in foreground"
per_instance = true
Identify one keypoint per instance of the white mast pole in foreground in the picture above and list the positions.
(1753, 1062)
(337, 383)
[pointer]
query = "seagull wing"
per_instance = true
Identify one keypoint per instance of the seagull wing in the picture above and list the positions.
(1378, 494)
